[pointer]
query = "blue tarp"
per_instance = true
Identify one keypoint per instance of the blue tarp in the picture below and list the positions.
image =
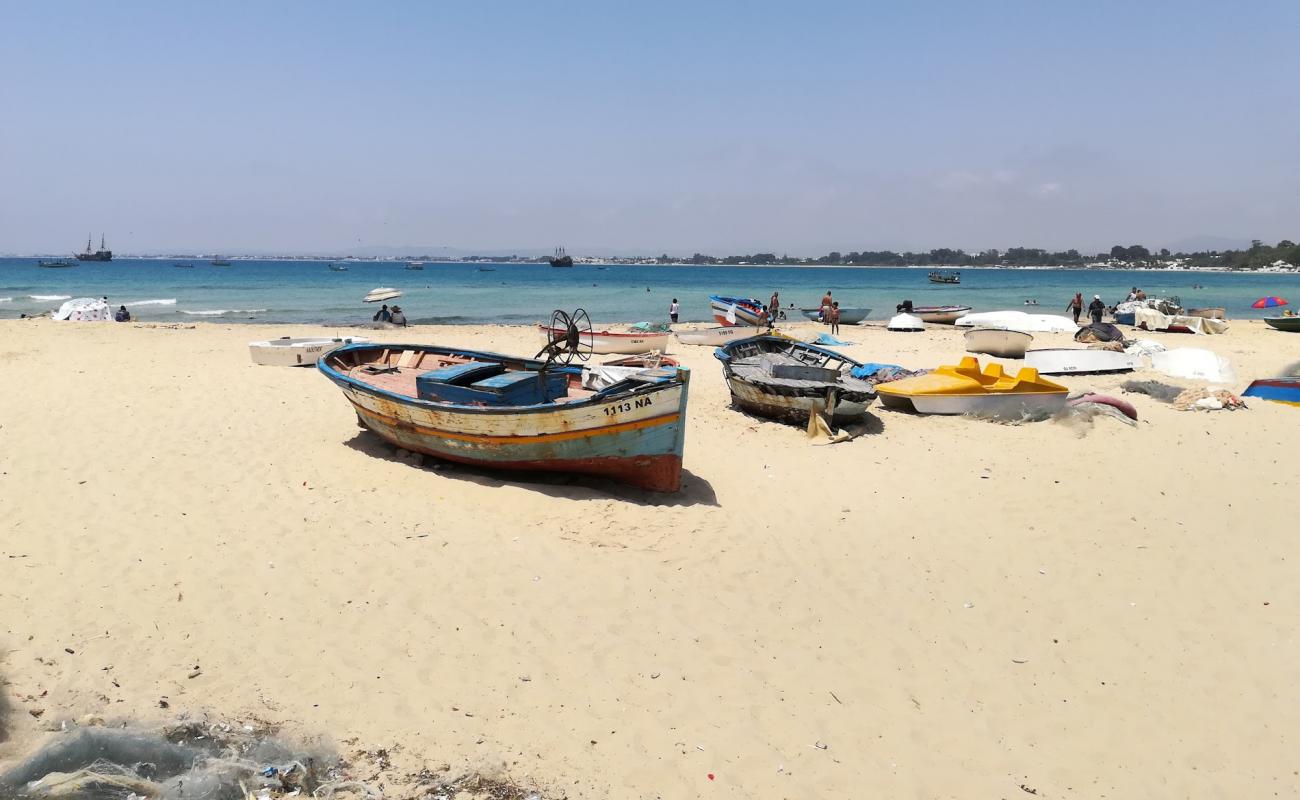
(827, 339)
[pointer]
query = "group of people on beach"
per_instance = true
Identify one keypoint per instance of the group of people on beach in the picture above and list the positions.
(1095, 309)
(393, 316)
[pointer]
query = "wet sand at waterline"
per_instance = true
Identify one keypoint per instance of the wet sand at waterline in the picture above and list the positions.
(941, 607)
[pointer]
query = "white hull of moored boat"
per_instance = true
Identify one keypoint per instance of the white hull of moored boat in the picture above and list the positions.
(1002, 406)
(288, 352)
(712, 337)
(605, 342)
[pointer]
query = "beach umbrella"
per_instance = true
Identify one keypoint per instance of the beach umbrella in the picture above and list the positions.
(1268, 302)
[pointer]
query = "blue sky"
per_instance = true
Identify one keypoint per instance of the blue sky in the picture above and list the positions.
(647, 127)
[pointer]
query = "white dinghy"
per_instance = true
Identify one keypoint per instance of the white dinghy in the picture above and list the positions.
(289, 352)
(1080, 361)
(1000, 342)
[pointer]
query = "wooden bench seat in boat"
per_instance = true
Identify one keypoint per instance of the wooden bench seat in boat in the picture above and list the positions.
(439, 384)
(489, 384)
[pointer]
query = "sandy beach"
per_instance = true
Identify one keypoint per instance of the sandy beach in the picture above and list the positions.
(943, 607)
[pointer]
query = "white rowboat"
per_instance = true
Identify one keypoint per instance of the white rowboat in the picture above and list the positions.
(999, 342)
(288, 352)
(616, 342)
(712, 337)
(1080, 361)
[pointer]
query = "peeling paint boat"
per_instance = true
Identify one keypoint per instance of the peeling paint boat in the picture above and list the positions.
(287, 352)
(604, 342)
(777, 377)
(966, 389)
(500, 411)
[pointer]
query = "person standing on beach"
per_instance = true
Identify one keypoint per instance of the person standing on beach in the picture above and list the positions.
(833, 318)
(1076, 306)
(673, 310)
(826, 305)
(1095, 308)
(774, 305)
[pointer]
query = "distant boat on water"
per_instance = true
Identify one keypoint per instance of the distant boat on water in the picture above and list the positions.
(102, 254)
(417, 265)
(487, 269)
(945, 276)
(561, 259)
(220, 262)
(338, 268)
(56, 264)
(183, 266)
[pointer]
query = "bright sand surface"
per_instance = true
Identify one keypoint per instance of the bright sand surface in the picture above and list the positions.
(951, 607)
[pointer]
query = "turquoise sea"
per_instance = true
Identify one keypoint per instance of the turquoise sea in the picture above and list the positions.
(457, 293)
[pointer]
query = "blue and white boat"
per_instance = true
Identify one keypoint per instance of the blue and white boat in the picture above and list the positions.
(737, 310)
(506, 412)
(1277, 390)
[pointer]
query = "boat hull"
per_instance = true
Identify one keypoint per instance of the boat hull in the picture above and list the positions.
(102, 255)
(747, 310)
(296, 352)
(712, 337)
(787, 408)
(636, 437)
(1207, 313)
(1079, 361)
(1290, 324)
(794, 401)
(940, 315)
(998, 342)
(1276, 390)
(848, 316)
(1002, 406)
(606, 342)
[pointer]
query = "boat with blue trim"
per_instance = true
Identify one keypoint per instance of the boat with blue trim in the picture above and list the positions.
(506, 412)
(1278, 390)
(738, 310)
(785, 379)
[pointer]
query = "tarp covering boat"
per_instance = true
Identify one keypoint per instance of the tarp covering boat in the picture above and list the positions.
(1193, 362)
(1153, 320)
(1018, 321)
(85, 309)
(1099, 332)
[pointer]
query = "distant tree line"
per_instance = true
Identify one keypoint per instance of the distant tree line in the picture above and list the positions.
(1258, 255)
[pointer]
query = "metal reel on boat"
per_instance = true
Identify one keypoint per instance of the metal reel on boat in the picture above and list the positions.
(570, 338)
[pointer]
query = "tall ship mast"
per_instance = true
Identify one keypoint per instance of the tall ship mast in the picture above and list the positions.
(562, 259)
(102, 254)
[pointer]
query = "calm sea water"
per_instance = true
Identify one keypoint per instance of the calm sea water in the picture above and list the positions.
(308, 292)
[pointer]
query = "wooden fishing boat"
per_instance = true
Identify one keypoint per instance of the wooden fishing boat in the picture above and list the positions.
(939, 315)
(1207, 313)
(736, 310)
(287, 352)
(848, 316)
(1000, 342)
(500, 411)
(945, 276)
(1080, 361)
(220, 262)
(56, 264)
(1277, 390)
(631, 342)
(966, 389)
(712, 336)
(783, 379)
(1291, 324)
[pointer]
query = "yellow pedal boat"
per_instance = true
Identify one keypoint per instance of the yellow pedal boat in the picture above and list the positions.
(966, 389)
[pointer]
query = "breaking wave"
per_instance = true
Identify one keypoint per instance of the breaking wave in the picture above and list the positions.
(6, 299)
(169, 302)
(217, 312)
(50, 296)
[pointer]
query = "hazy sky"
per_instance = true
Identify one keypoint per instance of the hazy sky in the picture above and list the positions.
(647, 126)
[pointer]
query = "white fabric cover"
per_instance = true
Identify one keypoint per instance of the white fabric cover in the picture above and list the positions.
(1155, 321)
(1193, 362)
(1019, 321)
(85, 309)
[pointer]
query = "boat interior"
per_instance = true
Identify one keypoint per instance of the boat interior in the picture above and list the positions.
(792, 365)
(465, 379)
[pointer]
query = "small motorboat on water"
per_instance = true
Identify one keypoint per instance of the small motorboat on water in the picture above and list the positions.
(60, 263)
(381, 294)
(737, 310)
(939, 315)
(1277, 390)
(945, 276)
(712, 336)
(1081, 361)
(966, 389)
(287, 352)
(603, 342)
(848, 316)
(784, 379)
(415, 265)
(1000, 342)
(338, 268)
(494, 410)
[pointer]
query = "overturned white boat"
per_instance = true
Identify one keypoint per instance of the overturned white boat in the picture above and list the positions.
(1080, 361)
(381, 294)
(1000, 342)
(287, 352)
(906, 323)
